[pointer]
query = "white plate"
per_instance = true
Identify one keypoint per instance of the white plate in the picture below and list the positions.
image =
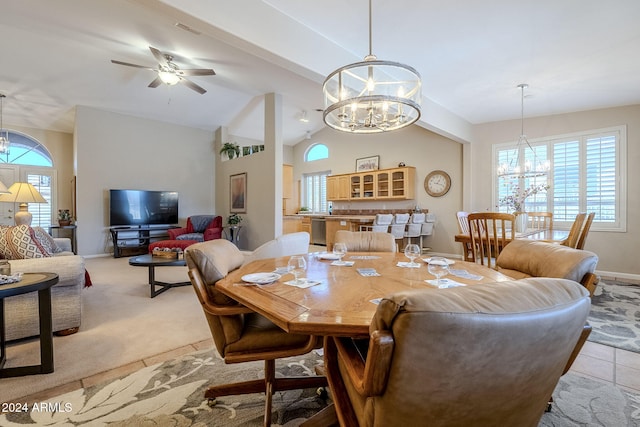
(331, 257)
(449, 261)
(260, 278)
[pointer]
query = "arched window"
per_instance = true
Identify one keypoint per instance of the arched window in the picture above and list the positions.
(316, 152)
(27, 160)
(24, 150)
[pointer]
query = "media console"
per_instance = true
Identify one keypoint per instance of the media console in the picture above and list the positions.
(135, 239)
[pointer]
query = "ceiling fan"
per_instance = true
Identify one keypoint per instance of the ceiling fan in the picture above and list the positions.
(169, 72)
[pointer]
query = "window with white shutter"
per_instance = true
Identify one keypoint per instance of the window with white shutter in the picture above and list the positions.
(315, 191)
(587, 174)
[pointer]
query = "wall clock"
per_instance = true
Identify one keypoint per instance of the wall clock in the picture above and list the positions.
(437, 183)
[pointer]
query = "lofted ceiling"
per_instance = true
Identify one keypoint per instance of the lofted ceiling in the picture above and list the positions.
(574, 54)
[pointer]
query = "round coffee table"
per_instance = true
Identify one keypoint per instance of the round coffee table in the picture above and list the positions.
(31, 282)
(152, 262)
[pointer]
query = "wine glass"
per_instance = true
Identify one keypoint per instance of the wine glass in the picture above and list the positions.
(412, 251)
(340, 250)
(439, 267)
(297, 266)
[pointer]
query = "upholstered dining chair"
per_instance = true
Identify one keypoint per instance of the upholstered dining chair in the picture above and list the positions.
(540, 220)
(241, 335)
(489, 233)
(366, 241)
(574, 231)
(582, 239)
(285, 245)
(466, 356)
(463, 225)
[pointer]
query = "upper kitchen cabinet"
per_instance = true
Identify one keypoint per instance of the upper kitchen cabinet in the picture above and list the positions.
(384, 184)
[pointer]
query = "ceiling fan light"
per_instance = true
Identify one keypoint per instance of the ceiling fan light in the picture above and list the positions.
(168, 77)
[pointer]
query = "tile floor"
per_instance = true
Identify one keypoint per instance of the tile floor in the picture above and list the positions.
(596, 361)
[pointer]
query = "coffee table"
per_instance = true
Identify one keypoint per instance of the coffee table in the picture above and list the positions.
(152, 262)
(31, 282)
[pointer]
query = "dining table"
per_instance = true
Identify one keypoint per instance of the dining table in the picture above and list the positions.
(340, 298)
(542, 235)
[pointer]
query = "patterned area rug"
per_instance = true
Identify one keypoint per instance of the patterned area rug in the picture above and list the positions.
(171, 394)
(615, 316)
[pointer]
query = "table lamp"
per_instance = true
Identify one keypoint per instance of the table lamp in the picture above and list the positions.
(23, 193)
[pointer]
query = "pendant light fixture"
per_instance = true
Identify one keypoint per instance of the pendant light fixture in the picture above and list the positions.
(4, 133)
(372, 96)
(530, 168)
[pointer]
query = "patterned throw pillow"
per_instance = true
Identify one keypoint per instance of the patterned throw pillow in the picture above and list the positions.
(46, 240)
(19, 242)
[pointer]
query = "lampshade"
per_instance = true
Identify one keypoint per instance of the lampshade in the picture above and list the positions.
(23, 193)
(372, 96)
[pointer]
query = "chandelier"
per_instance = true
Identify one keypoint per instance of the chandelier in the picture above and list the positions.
(4, 133)
(530, 169)
(372, 96)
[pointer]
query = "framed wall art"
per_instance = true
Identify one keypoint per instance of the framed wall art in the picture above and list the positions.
(367, 163)
(238, 193)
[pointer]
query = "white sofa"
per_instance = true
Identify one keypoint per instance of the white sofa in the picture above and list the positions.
(21, 312)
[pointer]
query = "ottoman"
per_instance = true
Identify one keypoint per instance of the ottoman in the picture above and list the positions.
(162, 244)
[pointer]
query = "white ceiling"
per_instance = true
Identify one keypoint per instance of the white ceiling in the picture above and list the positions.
(574, 54)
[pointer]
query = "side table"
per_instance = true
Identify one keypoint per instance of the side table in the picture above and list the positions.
(232, 233)
(31, 282)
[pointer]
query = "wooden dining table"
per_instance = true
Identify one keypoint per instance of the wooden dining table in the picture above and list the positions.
(544, 235)
(344, 302)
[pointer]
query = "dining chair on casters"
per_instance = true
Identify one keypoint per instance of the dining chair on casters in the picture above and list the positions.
(241, 335)
(489, 232)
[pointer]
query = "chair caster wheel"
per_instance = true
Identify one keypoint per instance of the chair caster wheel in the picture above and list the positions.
(211, 402)
(322, 392)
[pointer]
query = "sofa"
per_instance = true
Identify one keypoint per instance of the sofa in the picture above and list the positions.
(523, 258)
(21, 311)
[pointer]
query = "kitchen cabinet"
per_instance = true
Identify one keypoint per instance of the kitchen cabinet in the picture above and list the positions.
(349, 223)
(306, 226)
(384, 184)
(291, 224)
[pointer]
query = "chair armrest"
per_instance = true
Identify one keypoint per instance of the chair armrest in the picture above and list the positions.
(212, 233)
(63, 243)
(175, 232)
(369, 376)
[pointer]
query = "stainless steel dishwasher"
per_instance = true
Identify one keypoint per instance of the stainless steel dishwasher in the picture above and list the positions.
(318, 231)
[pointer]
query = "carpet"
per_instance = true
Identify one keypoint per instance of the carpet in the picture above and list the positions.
(615, 316)
(172, 394)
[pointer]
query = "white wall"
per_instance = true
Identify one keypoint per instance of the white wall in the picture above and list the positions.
(617, 251)
(119, 151)
(414, 146)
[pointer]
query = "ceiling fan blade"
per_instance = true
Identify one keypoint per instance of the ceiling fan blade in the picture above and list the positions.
(132, 65)
(156, 82)
(192, 85)
(162, 60)
(197, 72)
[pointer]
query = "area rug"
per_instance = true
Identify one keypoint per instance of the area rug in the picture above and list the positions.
(171, 394)
(615, 315)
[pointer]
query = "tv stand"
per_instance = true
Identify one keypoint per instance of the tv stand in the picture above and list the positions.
(132, 240)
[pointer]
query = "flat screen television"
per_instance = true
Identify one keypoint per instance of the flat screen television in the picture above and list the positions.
(142, 207)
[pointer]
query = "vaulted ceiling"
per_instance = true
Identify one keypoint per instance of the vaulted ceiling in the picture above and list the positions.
(574, 54)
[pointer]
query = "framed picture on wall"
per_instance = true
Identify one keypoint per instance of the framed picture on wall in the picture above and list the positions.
(367, 163)
(238, 193)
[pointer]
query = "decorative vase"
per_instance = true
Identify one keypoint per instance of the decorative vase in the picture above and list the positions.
(521, 221)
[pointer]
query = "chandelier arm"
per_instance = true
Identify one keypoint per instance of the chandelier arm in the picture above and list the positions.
(370, 31)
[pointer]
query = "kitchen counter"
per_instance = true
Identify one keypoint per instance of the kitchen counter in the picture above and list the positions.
(352, 218)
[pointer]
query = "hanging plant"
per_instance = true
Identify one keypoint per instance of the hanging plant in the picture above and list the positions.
(231, 149)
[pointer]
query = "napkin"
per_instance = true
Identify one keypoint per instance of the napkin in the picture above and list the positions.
(343, 263)
(368, 272)
(445, 283)
(302, 283)
(407, 265)
(464, 274)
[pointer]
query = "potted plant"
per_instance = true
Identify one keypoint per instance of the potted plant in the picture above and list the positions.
(234, 219)
(64, 217)
(231, 149)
